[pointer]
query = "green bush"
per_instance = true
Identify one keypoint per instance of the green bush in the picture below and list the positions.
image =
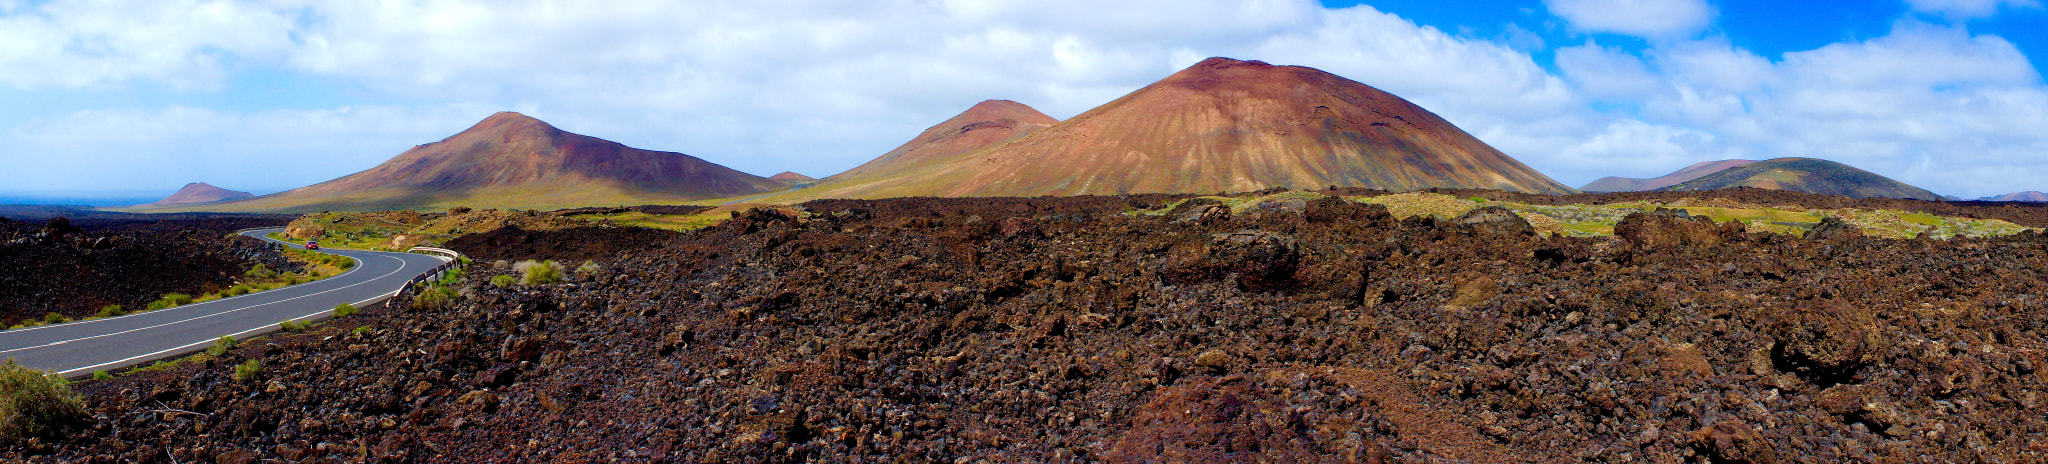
(112, 311)
(588, 270)
(35, 404)
(362, 330)
(345, 310)
(54, 318)
(248, 370)
(503, 280)
(221, 346)
(260, 271)
(538, 272)
(102, 375)
(344, 263)
(433, 298)
(292, 326)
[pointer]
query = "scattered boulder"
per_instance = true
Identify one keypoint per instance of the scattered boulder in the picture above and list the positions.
(1496, 220)
(1831, 228)
(1675, 227)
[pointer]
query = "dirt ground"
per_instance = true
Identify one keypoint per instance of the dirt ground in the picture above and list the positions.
(1062, 330)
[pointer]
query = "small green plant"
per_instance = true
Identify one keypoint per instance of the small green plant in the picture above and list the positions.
(34, 403)
(345, 310)
(588, 270)
(292, 326)
(170, 300)
(260, 271)
(503, 280)
(248, 370)
(538, 272)
(360, 330)
(112, 311)
(54, 318)
(221, 346)
(433, 298)
(1478, 199)
(102, 375)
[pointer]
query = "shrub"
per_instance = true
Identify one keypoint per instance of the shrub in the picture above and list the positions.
(345, 310)
(170, 300)
(35, 404)
(588, 270)
(433, 297)
(221, 346)
(538, 272)
(112, 311)
(344, 263)
(292, 326)
(362, 330)
(102, 375)
(54, 318)
(503, 280)
(248, 370)
(260, 271)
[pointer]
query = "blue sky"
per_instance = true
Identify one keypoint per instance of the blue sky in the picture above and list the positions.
(136, 98)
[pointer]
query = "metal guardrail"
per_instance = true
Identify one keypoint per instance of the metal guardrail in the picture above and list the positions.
(455, 260)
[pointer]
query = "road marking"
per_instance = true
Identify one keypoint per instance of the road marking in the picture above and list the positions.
(189, 307)
(68, 373)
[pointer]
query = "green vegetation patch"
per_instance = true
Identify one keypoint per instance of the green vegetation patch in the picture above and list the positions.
(35, 404)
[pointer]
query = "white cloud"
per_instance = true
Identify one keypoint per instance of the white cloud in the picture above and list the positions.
(1610, 73)
(182, 43)
(1641, 18)
(1966, 9)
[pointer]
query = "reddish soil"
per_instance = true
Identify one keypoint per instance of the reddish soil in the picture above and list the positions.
(1060, 330)
(75, 268)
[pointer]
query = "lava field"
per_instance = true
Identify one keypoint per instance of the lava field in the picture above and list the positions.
(73, 269)
(1064, 330)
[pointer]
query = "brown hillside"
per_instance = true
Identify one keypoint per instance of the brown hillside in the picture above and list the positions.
(513, 161)
(1695, 171)
(200, 192)
(1811, 176)
(922, 166)
(1229, 125)
(791, 177)
(2029, 195)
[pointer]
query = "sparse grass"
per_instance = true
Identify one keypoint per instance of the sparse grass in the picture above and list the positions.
(111, 311)
(345, 310)
(260, 271)
(364, 329)
(292, 326)
(54, 318)
(538, 272)
(249, 370)
(433, 297)
(503, 280)
(170, 300)
(102, 375)
(588, 270)
(35, 404)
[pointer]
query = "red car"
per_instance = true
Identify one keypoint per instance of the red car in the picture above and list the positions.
(312, 245)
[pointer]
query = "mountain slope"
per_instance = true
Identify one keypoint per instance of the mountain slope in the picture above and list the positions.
(1811, 176)
(1629, 184)
(924, 165)
(1230, 125)
(2019, 196)
(198, 192)
(513, 161)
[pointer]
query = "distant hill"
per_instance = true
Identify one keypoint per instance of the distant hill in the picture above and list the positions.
(788, 177)
(924, 165)
(199, 192)
(1811, 176)
(2020, 196)
(1230, 125)
(513, 161)
(1628, 184)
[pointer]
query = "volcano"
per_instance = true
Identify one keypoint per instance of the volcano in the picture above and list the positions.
(1695, 171)
(1230, 125)
(2029, 196)
(198, 192)
(1811, 176)
(511, 160)
(932, 163)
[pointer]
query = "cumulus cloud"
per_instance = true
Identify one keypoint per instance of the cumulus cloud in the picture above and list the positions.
(820, 86)
(1641, 18)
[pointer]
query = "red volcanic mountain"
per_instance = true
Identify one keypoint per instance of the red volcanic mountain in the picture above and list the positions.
(1695, 171)
(790, 177)
(1229, 125)
(927, 164)
(513, 161)
(199, 192)
(2020, 196)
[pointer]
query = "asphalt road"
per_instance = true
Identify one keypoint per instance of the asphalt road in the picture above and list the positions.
(77, 349)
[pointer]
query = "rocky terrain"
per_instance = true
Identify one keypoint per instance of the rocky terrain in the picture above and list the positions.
(1068, 330)
(75, 268)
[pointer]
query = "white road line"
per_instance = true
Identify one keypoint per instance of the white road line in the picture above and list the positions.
(68, 373)
(401, 267)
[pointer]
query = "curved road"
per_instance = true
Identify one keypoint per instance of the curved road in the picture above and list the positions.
(77, 349)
